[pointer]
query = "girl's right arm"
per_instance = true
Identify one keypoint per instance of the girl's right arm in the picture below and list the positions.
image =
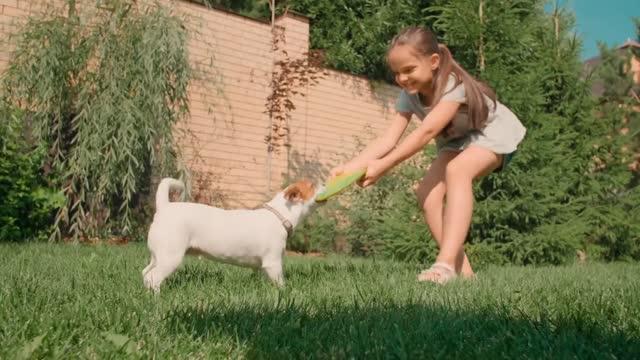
(379, 147)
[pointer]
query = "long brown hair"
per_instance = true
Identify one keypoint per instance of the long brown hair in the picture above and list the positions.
(424, 42)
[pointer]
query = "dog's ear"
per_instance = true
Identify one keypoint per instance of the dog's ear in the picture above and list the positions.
(293, 193)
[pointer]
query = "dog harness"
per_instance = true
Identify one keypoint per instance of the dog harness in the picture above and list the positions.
(286, 223)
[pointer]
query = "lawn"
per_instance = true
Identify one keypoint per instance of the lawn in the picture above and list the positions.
(65, 301)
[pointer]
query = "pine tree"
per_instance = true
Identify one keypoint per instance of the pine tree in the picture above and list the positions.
(539, 211)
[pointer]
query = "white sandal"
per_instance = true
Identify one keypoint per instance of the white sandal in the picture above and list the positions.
(444, 272)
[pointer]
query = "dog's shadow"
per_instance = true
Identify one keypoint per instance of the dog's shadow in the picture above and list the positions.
(196, 272)
(209, 274)
(291, 329)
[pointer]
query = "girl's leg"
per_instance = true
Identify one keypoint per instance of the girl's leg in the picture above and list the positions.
(472, 163)
(430, 195)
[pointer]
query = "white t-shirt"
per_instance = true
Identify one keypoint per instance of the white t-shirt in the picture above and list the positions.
(502, 133)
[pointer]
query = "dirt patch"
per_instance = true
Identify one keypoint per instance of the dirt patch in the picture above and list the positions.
(309, 254)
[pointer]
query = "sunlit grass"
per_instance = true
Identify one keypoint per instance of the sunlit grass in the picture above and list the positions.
(63, 301)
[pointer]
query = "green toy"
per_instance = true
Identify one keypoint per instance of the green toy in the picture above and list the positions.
(339, 183)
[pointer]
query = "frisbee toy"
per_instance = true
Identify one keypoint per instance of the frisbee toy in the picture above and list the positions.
(339, 183)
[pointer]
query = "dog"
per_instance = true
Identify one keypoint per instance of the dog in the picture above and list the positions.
(252, 238)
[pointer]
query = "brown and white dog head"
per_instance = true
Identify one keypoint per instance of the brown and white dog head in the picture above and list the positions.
(301, 191)
(300, 197)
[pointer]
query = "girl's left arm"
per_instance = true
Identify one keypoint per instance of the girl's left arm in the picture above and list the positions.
(431, 126)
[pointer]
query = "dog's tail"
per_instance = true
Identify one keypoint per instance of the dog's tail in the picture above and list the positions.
(162, 194)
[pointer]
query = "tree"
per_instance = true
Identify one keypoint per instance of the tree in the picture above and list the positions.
(103, 95)
(251, 8)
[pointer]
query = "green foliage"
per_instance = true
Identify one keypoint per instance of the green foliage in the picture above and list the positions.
(541, 209)
(386, 219)
(28, 203)
(634, 117)
(251, 8)
(613, 74)
(317, 233)
(616, 216)
(103, 91)
(615, 233)
(355, 34)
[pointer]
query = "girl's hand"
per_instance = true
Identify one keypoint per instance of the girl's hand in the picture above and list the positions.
(375, 170)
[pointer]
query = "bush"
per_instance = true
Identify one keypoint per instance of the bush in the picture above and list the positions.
(318, 232)
(28, 204)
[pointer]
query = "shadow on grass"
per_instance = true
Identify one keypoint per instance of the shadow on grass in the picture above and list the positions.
(199, 275)
(414, 331)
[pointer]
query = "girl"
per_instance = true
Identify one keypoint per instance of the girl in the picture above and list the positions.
(475, 135)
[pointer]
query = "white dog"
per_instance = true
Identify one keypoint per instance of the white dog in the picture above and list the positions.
(252, 238)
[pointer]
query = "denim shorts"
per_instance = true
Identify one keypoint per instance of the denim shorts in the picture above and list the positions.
(506, 159)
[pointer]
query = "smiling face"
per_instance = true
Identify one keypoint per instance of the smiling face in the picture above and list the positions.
(413, 72)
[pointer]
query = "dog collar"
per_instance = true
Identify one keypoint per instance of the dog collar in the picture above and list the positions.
(286, 223)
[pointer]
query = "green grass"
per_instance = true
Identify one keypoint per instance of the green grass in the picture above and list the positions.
(63, 301)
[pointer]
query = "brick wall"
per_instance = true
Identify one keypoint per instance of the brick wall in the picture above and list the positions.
(228, 121)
